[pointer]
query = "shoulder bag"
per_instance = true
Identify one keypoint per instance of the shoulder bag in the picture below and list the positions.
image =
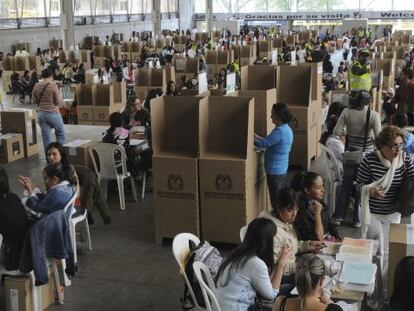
(405, 201)
(355, 157)
(41, 94)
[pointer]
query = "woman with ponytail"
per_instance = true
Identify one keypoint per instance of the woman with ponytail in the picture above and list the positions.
(310, 273)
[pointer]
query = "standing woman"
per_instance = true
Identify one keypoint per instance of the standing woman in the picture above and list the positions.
(354, 122)
(47, 98)
(278, 145)
(380, 178)
(246, 273)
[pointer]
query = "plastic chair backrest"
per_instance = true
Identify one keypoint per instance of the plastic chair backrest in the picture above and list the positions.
(180, 248)
(243, 231)
(331, 160)
(207, 289)
(106, 153)
(69, 208)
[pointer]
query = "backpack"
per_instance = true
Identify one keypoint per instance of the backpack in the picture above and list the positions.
(211, 257)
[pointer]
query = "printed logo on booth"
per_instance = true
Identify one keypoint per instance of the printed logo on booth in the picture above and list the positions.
(294, 123)
(223, 182)
(175, 182)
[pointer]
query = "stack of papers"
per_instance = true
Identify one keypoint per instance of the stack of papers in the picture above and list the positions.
(356, 250)
(359, 276)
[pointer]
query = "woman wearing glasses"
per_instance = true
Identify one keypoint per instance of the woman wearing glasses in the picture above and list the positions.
(380, 177)
(360, 124)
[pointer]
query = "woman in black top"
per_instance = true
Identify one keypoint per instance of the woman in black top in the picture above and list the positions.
(313, 221)
(13, 222)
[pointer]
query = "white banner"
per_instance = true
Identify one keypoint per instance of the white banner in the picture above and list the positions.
(230, 83)
(310, 15)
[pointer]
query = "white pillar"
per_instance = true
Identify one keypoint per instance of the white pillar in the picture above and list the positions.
(66, 24)
(209, 15)
(156, 16)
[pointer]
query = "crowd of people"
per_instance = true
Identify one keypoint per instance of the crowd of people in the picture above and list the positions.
(279, 249)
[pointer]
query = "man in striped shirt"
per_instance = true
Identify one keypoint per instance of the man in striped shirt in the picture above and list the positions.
(47, 98)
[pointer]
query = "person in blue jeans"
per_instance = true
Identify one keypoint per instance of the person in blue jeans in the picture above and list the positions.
(278, 145)
(47, 98)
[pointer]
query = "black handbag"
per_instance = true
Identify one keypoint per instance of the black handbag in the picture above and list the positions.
(405, 202)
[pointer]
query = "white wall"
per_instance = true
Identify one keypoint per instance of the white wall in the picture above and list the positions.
(40, 37)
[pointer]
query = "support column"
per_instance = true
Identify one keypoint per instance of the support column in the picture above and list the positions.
(156, 16)
(209, 15)
(66, 24)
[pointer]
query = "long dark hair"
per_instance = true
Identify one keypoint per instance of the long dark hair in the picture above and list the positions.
(404, 284)
(303, 180)
(67, 169)
(4, 182)
(57, 170)
(330, 126)
(257, 242)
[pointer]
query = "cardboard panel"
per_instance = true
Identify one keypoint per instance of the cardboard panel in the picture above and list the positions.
(175, 125)
(78, 152)
(263, 102)
(223, 199)
(141, 92)
(120, 92)
(226, 127)
(86, 94)
(85, 113)
(11, 147)
(192, 65)
(104, 95)
(289, 78)
(23, 121)
(142, 76)
(401, 245)
(176, 203)
(258, 77)
(101, 113)
(317, 76)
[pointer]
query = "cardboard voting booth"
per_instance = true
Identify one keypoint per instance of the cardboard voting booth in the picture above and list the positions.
(175, 143)
(232, 191)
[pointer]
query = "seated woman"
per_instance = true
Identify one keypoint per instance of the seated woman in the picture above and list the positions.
(137, 160)
(313, 221)
(402, 298)
(283, 216)
(310, 272)
(250, 271)
(13, 222)
(60, 187)
(90, 192)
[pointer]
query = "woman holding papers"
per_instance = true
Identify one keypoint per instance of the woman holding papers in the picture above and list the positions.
(310, 273)
(313, 221)
(278, 145)
(283, 216)
(380, 177)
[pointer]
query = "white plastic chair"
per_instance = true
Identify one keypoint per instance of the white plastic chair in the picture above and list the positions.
(207, 289)
(243, 231)
(181, 249)
(82, 218)
(108, 165)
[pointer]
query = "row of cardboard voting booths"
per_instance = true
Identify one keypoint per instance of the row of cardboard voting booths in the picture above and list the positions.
(97, 101)
(208, 178)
